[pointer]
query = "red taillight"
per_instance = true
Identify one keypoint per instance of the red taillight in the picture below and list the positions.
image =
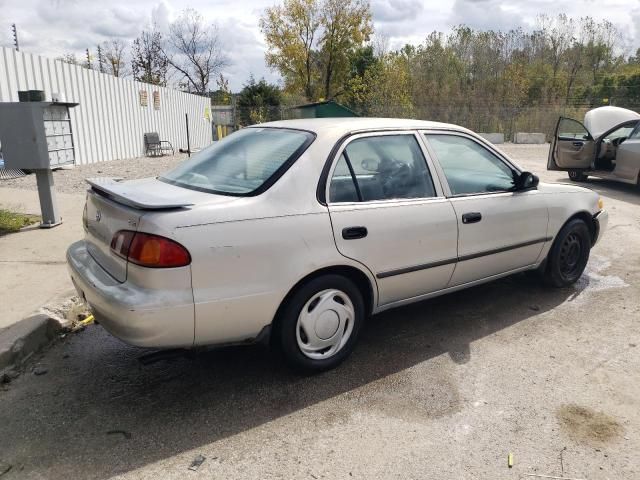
(149, 250)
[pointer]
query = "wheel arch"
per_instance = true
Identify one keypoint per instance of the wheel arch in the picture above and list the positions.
(546, 268)
(587, 218)
(357, 276)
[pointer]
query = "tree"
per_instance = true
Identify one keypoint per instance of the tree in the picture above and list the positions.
(601, 39)
(347, 25)
(112, 57)
(383, 88)
(69, 58)
(223, 95)
(149, 63)
(291, 31)
(259, 101)
(195, 51)
(362, 59)
(310, 42)
(558, 36)
(573, 60)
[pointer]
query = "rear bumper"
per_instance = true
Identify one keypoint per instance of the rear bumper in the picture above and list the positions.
(147, 317)
(601, 220)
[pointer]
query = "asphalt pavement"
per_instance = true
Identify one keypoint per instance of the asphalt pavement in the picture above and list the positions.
(445, 388)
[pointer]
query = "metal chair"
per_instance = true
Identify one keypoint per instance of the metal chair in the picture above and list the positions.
(154, 146)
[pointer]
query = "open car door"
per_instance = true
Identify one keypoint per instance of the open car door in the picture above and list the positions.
(572, 147)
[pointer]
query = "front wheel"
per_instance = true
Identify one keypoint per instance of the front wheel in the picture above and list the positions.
(577, 176)
(569, 254)
(320, 324)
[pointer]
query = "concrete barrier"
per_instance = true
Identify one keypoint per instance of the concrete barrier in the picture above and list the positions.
(495, 138)
(524, 137)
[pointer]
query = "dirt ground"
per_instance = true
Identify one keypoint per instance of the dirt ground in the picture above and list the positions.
(442, 389)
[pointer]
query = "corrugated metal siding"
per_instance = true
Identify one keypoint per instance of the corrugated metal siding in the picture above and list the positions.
(109, 123)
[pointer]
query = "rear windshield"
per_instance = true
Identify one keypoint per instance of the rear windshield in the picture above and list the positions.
(244, 163)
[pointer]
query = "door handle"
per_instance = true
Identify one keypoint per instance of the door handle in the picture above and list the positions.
(353, 233)
(578, 144)
(471, 217)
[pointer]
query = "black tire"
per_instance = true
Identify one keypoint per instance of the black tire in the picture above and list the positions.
(577, 176)
(569, 254)
(287, 329)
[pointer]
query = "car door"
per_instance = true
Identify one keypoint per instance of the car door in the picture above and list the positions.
(572, 146)
(389, 213)
(628, 157)
(499, 230)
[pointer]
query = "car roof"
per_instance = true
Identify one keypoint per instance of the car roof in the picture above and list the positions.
(345, 125)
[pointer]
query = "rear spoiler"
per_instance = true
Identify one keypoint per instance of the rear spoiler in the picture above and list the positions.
(127, 194)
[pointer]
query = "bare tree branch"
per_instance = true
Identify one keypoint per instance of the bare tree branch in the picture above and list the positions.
(194, 50)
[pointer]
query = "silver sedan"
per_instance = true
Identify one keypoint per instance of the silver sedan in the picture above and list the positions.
(296, 231)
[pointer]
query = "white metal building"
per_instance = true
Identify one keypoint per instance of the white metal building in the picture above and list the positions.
(113, 113)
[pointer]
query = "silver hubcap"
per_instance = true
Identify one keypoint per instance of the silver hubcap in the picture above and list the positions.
(325, 324)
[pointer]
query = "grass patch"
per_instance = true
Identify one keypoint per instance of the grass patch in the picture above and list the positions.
(11, 222)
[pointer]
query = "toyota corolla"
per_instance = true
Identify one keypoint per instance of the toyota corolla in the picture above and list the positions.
(296, 231)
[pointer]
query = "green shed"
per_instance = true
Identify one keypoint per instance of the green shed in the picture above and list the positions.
(326, 109)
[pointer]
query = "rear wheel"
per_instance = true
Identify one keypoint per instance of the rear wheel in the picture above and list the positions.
(569, 254)
(320, 324)
(577, 176)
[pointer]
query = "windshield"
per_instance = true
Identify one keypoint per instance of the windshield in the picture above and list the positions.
(636, 133)
(244, 163)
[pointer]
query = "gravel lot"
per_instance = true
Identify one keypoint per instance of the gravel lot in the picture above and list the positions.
(72, 180)
(442, 389)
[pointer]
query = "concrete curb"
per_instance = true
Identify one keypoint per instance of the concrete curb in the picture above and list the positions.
(24, 338)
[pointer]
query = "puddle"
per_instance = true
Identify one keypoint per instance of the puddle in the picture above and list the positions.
(588, 426)
(593, 280)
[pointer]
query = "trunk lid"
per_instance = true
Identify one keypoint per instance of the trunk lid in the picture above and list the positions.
(103, 218)
(113, 205)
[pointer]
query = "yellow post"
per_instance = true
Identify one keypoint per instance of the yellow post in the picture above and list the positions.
(219, 129)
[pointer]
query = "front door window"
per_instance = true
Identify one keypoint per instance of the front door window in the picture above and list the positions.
(569, 128)
(469, 167)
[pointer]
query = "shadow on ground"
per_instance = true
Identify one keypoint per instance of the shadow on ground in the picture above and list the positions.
(57, 425)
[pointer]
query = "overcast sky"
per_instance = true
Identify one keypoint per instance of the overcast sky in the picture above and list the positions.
(55, 27)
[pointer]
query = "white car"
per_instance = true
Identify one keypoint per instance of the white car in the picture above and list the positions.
(298, 230)
(606, 146)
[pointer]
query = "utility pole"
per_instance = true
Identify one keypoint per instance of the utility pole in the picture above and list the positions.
(89, 60)
(15, 36)
(100, 60)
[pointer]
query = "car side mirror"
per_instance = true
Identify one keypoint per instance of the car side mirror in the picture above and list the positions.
(526, 181)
